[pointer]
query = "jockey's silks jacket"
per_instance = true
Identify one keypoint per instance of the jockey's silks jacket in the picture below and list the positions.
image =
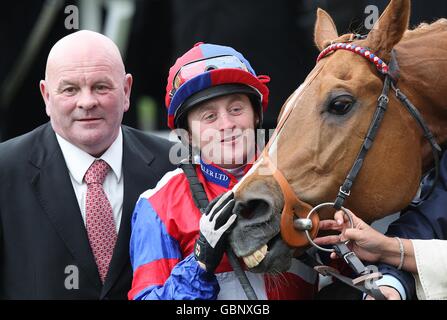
(165, 226)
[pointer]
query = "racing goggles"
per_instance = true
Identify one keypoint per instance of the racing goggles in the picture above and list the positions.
(193, 69)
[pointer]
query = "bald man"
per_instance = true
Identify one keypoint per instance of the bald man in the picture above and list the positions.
(68, 188)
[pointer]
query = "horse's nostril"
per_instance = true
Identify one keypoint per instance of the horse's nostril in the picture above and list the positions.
(253, 208)
(245, 212)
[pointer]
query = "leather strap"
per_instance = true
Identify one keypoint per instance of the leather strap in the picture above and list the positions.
(436, 149)
(382, 104)
(364, 283)
(198, 192)
(342, 250)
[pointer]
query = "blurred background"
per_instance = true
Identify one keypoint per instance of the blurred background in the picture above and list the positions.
(276, 36)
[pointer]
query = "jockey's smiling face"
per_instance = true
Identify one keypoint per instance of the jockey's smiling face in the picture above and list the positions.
(223, 129)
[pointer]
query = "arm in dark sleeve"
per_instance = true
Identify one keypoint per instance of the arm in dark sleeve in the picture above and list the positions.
(428, 220)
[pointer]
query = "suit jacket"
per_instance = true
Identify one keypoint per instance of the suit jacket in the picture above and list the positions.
(427, 220)
(44, 248)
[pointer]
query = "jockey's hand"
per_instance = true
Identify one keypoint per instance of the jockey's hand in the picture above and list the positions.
(367, 243)
(389, 292)
(215, 224)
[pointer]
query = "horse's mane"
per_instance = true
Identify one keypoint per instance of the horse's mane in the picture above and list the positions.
(423, 28)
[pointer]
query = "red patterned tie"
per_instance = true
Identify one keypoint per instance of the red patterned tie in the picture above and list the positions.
(99, 215)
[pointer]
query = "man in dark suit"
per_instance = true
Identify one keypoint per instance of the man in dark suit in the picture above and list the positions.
(68, 188)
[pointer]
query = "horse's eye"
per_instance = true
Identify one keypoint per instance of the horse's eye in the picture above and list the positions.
(340, 105)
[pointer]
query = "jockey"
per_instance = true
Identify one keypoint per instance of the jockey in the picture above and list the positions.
(217, 101)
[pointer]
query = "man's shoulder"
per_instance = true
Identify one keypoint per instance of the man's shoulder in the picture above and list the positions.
(149, 140)
(166, 154)
(16, 148)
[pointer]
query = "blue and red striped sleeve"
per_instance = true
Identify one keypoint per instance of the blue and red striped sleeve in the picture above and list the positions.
(160, 272)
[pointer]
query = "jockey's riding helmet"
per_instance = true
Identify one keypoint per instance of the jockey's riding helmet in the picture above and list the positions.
(208, 71)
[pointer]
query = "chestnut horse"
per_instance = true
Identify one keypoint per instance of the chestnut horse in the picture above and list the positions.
(324, 124)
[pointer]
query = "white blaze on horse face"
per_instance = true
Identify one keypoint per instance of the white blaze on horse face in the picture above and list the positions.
(249, 172)
(272, 150)
(290, 104)
(273, 146)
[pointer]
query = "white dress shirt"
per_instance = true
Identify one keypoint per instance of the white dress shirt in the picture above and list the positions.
(78, 162)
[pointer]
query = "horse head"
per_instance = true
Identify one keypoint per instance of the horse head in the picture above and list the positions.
(323, 125)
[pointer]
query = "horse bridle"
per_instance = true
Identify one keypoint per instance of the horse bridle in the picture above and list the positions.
(298, 224)
(391, 73)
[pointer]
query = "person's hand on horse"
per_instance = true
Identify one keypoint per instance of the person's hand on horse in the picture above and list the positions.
(367, 243)
(215, 225)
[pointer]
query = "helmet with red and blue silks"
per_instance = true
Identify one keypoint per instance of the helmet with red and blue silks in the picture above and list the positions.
(208, 71)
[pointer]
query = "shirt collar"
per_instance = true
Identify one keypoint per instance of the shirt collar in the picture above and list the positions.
(78, 161)
(221, 176)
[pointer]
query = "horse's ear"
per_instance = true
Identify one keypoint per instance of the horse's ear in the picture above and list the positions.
(325, 29)
(390, 27)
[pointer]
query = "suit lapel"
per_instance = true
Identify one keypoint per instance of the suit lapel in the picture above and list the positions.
(52, 185)
(137, 174)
